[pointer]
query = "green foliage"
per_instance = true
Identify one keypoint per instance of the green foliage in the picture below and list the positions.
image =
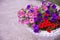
(55, 1)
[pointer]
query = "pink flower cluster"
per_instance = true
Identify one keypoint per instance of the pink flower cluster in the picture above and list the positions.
(27, 17)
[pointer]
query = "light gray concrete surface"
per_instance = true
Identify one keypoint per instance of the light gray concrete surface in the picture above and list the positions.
(9, 27)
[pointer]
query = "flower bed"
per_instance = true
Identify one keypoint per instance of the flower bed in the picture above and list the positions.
(46, 17)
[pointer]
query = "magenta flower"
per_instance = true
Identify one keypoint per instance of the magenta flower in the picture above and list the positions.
(21, 13)
(26, 15)
(25, 21)
(32, 15)
(35, 8)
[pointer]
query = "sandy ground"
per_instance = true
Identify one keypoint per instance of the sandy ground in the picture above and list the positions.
(9, 27)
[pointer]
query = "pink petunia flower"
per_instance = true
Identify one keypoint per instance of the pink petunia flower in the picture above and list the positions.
(20, 13)
(31, 20)
(31, 15)
(26, 15)
(35, 14)
(25, 22)
(44, 7)
(35, 8)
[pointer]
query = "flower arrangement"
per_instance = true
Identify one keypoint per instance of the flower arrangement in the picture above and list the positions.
(46, 17)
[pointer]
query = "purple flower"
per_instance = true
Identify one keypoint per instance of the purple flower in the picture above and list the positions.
(48, 12)
(44, 2)
(31, 10)
(49, 3)
(28, 7)
(54, 6)
(53, 20)
(54, 16)
(35, 19)
(39, 14)
(48, 7)
(39, 19)
(36, 29)
(58, 10)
